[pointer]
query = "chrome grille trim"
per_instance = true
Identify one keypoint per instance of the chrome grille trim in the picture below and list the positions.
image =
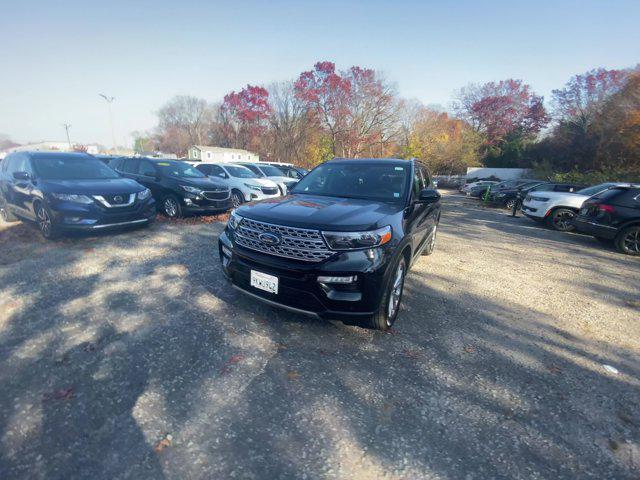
(296, 243)
(217, 194)
(270, 190)
(103, 201)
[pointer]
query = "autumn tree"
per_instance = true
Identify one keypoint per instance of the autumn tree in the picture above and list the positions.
(243, 117)
(183, 121)
(507, 113)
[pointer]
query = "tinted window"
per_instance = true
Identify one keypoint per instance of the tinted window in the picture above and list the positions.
(146, 168)
(373, 181)
(72, 168)
(240, 172)
(589, 191)
(271, 171)
(254, 169)
(206, 169)
(130, 165)
(218, 171)
(425, 176)
(179, 170)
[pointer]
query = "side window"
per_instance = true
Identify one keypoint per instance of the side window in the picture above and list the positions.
(254, 169)
(130, 165)
(146, 168)
(418, 181)
(216, 171)
(206, 169)
(426, 181)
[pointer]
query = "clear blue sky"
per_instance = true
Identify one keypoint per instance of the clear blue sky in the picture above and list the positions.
(57, 56)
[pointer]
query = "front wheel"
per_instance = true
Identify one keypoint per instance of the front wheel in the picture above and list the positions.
(236, 199)
(44, 221)
(390, 305)
(171, 207)
(562, 220)
(628, 241)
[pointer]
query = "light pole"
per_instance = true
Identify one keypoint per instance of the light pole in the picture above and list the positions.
(109, 101)
(67, 126)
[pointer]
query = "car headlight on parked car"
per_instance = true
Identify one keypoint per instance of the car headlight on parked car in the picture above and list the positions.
(538, 199)
(253, 187)
(355, 240)
(190, 189)
(72, 197)
(144, 194)
(234, 220)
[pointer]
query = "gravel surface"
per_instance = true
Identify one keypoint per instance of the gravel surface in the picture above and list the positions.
(516, 355)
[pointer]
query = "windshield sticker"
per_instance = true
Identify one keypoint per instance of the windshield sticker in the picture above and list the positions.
(396, 194)
(400, 169)
(164, 164)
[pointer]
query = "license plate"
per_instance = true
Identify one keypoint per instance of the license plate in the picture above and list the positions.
(265, 282)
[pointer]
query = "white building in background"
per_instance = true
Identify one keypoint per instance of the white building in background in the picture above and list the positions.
(202, 153)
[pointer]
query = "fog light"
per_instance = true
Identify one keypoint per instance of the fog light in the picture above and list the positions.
(187, 201)
(341, 280)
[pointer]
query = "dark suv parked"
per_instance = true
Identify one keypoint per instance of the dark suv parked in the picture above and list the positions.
(177, 186)
(613, 215)
(70, 191)
(339, 246)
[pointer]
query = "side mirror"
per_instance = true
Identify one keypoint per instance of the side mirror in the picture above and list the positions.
(21, 175)
(429, 195)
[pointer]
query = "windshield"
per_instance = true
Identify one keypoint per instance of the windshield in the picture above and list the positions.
(72, 168)
(240, 172)
(362, 180)
(179, 169)
(271, 171)
(589, 191)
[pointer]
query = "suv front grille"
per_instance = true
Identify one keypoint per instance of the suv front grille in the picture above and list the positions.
(217, 194)
(296, 243)
(270, 190)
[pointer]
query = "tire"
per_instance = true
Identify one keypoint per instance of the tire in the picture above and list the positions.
(44, 221)
(237, 198)
(386, 316)
(510, 203)
(561, 219)
(628, 240)
(171, 206)
(5, 214)
(431, 243)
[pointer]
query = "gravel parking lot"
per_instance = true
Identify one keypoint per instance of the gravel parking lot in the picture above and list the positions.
(128, 356)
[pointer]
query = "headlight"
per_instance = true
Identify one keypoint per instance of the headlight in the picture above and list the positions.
(194, 190)
(354, 240)
(234, 220)
(144, 194)
(253, 187)
(539, 199)
(72, 197)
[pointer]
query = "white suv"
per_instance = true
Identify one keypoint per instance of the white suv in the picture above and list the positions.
(245, 185)
(558, 209)
(264, 170)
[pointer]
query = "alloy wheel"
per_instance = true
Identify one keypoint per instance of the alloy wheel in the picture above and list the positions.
(237, 201)
(396, 293)
(170, 207)
(632, 241)
(510, 204)
(44, 221)
(562, 220)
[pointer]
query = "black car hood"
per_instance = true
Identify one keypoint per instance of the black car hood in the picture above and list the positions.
(109, 186)
(324, 213)
(203, 183)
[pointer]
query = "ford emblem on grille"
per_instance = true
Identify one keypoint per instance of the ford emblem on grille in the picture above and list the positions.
(269, 238)
(118, 199)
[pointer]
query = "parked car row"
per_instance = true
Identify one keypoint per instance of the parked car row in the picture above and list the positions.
(76, 191)
(608, 211)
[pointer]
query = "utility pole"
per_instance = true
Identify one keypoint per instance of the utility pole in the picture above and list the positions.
(109, 101)
(67, 126)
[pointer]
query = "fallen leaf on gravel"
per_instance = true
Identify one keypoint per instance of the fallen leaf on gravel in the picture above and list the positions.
(613, 445)
(64, 394)
(162, 444)
(554, 369)
(412, 353)
(233, 360)
(393, 331)
(281, 346)
(469, 349)
(293, 375)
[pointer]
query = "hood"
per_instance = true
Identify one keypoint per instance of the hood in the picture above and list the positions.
(324, 213)
(108, 186)
(203, 183)
(284, 180)
(562, 198)
(263, 182)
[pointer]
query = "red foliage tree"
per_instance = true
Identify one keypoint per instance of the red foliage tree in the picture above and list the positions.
(505, 109)
(243, 115)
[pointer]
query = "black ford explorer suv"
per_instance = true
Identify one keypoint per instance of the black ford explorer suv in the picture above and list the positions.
(177, 186)
(340, 244)
(70, 191)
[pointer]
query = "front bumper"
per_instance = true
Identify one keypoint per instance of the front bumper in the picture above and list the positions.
(204, 205)
(534, 209)
(71, 216)
(588, 226)
(298, 287)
